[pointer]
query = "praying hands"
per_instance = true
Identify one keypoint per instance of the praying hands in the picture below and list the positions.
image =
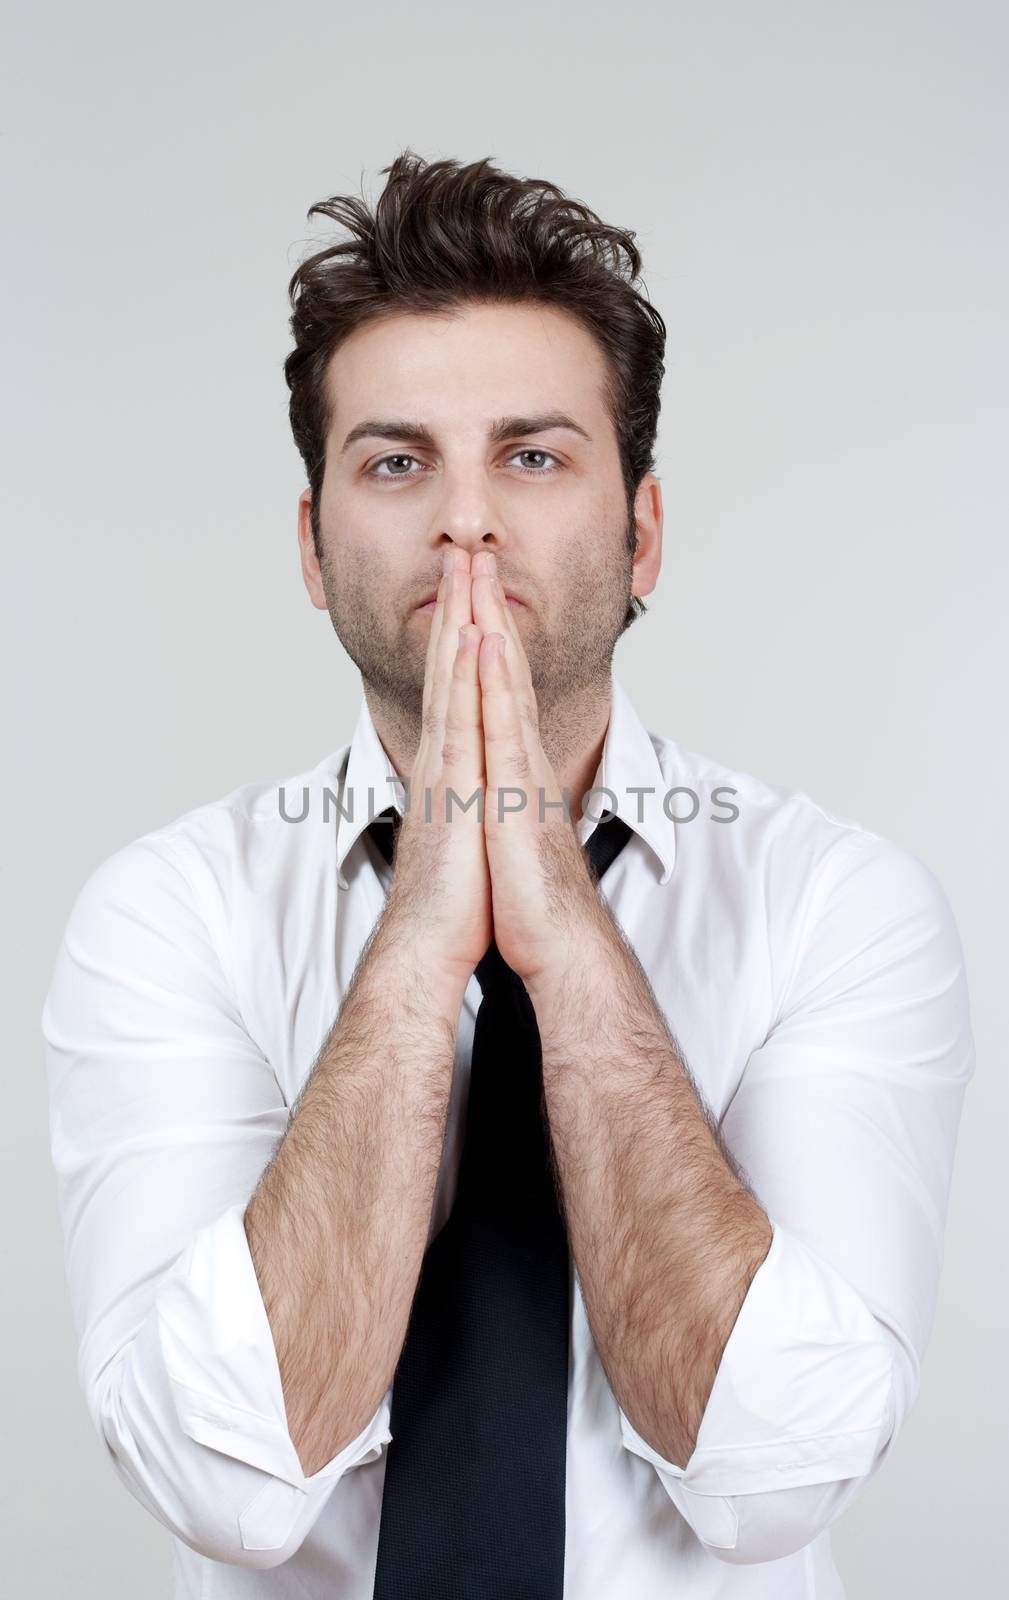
(518, 874)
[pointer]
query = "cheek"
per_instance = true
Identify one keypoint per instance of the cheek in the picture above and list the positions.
(386, 540)
(373, 578)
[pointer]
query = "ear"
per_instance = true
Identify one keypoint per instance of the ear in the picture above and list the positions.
(648, 526)
(309, 560)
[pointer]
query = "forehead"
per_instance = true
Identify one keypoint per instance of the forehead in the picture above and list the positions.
(477, 362)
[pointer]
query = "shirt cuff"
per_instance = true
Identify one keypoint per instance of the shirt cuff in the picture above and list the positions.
(223, 1371)
(803, 1393)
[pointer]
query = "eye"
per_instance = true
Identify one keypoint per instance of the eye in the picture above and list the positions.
(373, 471)
(538, 472)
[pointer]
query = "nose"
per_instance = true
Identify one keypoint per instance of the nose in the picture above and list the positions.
(466, 515)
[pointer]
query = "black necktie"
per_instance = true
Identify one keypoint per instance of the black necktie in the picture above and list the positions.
(473, 1504)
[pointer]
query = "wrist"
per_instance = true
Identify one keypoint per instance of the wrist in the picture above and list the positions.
(419, 963)
(583, 972)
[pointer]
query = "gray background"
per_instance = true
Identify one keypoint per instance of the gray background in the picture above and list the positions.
(820, 199)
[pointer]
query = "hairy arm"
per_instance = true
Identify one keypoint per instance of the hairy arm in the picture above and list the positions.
(665, 1233)
(338, 1224)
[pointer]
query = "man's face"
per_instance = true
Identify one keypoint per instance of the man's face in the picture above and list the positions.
(547, 500)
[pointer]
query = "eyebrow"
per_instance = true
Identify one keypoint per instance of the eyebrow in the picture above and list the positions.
(502, 429)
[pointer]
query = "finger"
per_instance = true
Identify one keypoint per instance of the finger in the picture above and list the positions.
(437, 617)
(454, 609)
(490, 608)
(493, 614)
(457, 610)
(505, 754)
(463, 759)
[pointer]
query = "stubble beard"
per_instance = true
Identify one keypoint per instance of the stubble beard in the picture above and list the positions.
(570, 656)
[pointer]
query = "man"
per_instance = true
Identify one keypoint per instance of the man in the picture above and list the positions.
(489, 1199)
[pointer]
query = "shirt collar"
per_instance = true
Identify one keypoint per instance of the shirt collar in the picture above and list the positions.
(629, 761)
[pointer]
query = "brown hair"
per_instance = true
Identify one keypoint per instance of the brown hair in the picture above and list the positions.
(442, 235)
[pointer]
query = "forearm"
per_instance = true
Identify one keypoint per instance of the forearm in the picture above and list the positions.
(665, 1234)
(338, 1225)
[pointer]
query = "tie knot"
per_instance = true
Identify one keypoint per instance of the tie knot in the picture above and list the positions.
(380, 831)
(605, 843)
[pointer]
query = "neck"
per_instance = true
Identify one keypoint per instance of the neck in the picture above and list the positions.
(572, 731)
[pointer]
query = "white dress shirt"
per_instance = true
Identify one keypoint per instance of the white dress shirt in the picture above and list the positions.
(813, 975)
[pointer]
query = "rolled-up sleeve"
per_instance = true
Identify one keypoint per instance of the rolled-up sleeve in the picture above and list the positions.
(163, 1115)
(844, 1123)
